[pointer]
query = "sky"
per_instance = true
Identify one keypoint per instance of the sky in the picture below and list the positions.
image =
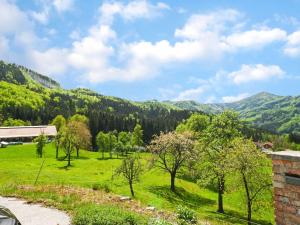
(203, 50)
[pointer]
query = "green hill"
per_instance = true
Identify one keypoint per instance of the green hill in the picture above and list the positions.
(30, 96)
(268, 111)
(37, 99)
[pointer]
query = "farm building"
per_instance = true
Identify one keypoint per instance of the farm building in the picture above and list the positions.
(26, 132)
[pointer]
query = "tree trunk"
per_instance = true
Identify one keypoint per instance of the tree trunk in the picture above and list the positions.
(77, 152)
(221, 187)
(110, 147)
(249, 206)
(249, 213)
(173, 175)
(56, 151)
(131, 189)
(69, 157)
(103, 153)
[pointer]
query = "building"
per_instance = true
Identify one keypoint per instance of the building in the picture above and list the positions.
(286, 183)
(26, 132)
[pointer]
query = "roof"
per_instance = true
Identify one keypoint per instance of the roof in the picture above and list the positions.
(27, 131)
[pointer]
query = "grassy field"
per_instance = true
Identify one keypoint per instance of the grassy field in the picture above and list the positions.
(19, 166)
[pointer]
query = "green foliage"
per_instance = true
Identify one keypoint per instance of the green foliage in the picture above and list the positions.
(250, 168)
(103, 186)
(59, 122)
(186, 216)
(41, 142)
(195, 123)
(106, 215)
(102, 141)
(10, 122)
(80, 118)
(137, 136)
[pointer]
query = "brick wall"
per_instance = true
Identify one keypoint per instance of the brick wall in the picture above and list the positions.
(286, 182)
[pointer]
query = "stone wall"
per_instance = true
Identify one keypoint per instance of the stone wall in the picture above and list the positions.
(286, 182)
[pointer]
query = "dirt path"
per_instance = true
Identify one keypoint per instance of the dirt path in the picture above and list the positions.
(34, 214)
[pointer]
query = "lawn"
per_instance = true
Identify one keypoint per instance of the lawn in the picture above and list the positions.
(19, 165)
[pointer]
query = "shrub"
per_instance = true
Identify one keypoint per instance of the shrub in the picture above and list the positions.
(104, 187)
(106, 215)
(186, 216)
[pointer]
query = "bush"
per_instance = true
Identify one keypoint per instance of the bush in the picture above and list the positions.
(104, 187)
(186, 216)
(106, 215)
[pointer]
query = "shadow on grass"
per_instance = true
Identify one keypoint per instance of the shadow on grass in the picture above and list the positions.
(234, 217)
(64, 158)
(181, 197)
(65, 167)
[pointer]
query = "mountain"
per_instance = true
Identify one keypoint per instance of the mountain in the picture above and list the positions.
(265, 110)
(32, 97)
(28, 96)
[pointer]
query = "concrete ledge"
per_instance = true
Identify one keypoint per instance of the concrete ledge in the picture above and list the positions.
(286, 155)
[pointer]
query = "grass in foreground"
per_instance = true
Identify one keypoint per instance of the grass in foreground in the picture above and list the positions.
(19, 165)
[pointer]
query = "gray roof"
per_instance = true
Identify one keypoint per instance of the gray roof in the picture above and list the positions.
(27, 131)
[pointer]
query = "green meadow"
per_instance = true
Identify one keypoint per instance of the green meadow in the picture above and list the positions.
(19, 166)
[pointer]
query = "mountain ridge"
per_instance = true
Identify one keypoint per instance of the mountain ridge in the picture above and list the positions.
(264, 110)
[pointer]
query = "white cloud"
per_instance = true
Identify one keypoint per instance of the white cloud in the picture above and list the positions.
(257, 72)
(203, 26)
(13, 19)
(50, 62)
(229, 99)
(292, 47)
(132, 10)
(255, 38)
(191, 94)
(41, 17)
(63, 5)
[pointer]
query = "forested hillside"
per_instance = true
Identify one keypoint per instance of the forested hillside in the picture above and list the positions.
(268, 111)
(25, 95)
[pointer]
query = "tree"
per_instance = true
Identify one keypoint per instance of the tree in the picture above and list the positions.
(80, 118)
(102, 141)
(59, 122)
(124, 138)
(171, 152)
(213, 146)
(137, 136)
(131, 168)
(251, 168)
(83, 137)
(112, 142)
(196, 123)
(41, 142)
(74, 135)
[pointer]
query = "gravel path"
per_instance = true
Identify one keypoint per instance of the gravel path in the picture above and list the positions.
(34, 214)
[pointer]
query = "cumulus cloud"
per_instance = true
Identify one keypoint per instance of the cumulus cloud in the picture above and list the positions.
(13, 19)
(255, 38)
(257, 72)
(132, 10)
(200, 26)
(292, 47)
(229, 99)
(191, 94)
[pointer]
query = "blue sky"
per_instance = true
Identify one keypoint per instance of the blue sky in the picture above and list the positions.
(208, 51)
